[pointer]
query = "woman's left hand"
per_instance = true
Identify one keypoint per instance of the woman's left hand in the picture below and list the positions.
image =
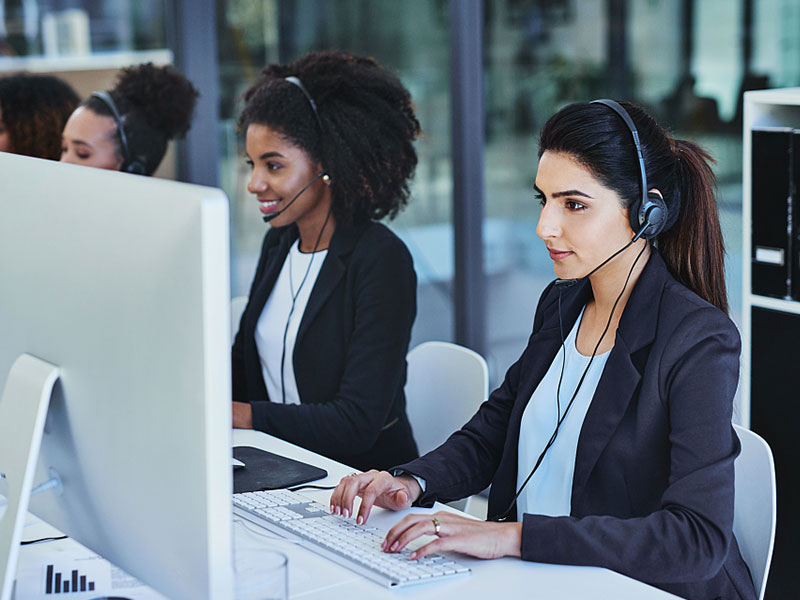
(482, 539)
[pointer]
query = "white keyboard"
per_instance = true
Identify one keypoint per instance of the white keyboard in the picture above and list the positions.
(357, 547)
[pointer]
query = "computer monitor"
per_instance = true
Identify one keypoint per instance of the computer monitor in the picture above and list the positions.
(122, 282)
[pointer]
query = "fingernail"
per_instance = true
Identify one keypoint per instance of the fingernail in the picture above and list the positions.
(332, 508)
(360, 520)
(338, 511)
(394, 546)
(413, 555)
(346, 514)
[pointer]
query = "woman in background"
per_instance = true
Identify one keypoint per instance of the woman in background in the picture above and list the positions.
(319, 359)
(33, 111)
(127, 128)
(609, 443)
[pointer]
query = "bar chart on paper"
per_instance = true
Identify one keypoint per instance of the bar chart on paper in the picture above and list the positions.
(65, 583)
(76, 573)
(80, 578)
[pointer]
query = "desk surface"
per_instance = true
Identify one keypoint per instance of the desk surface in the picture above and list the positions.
(312, 577)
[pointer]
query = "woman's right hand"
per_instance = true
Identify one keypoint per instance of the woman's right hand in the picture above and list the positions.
(375, 488)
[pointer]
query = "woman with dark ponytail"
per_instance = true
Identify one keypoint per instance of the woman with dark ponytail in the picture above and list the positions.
(127, 128)
(610, 441)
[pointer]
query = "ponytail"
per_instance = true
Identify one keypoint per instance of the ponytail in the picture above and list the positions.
(693, 248)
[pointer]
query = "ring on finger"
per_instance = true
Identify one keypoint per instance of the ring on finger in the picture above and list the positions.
(435, 526)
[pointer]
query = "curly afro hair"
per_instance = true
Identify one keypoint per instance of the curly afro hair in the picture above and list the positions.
(156, 105)
(368, 128)
(34, 110)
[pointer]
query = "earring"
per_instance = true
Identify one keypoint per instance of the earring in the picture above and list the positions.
(326, 178)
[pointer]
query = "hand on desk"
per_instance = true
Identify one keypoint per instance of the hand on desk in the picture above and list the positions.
(242, 415)
(481, 539)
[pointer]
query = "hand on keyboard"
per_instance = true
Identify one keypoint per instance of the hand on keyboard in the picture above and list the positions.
(482, 539)
(356, 547)
(375, 488)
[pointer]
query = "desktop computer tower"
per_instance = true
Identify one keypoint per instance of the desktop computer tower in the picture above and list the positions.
(775, 415)
(774, 214)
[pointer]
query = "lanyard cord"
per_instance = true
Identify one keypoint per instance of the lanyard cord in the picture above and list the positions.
(560, 418)
(294, 298)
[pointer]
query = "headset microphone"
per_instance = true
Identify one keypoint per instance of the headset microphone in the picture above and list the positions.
(565, 283)
(295, 81)
(269, 217)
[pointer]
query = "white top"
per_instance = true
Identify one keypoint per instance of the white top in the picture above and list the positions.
(549, 491)
(272, 322)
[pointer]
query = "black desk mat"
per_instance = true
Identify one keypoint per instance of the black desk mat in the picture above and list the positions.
(267, 471)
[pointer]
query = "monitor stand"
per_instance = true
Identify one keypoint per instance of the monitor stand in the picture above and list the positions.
(23, 409)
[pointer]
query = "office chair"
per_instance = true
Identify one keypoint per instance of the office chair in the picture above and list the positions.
(754, 509)
(445, 385)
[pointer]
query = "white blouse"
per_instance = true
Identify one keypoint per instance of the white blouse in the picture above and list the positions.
(273, 320)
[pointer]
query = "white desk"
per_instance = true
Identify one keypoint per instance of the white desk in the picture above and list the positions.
(312, 577)
(501, 578)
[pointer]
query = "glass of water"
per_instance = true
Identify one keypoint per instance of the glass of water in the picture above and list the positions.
(260, 573)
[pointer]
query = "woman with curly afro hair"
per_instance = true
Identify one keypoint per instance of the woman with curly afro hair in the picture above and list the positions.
(127, 128)
(319, 359)
(33, 110)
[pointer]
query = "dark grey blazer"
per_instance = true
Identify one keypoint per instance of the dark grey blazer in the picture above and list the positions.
(652, 494)
(349, 356)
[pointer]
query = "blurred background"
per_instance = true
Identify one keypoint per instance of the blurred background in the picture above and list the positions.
(688, 61)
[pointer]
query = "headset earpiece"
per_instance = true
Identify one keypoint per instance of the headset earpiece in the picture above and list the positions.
(129, 164)
(651, 215)
(134, 167)
(648, 215)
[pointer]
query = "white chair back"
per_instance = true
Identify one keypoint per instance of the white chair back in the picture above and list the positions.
(754, 510)
(237, 308)
(446, 383)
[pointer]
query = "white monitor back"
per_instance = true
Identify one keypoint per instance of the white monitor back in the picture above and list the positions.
(122, 281)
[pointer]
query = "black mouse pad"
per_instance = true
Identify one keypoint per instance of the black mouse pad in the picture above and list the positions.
(267, 471)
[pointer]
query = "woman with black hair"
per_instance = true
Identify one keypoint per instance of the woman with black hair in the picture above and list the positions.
(319, 359)
(127, 128)
(610, 442)
(33, 111)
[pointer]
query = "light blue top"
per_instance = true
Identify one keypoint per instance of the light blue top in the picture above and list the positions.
(549, 491)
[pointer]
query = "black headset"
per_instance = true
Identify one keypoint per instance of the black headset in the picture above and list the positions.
(648, 215)
(129, 163)
(326, 178)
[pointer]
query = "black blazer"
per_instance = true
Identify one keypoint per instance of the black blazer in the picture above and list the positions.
(652, 495)
(349, 356)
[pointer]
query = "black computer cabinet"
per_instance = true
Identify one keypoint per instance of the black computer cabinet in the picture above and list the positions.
(775, 416)
(771, 309)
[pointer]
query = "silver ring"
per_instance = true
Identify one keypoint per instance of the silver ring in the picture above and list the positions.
(435, 526)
